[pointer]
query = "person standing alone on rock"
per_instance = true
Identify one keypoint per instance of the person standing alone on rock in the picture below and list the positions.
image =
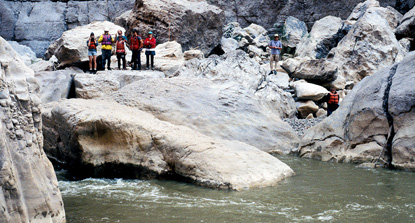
(106, 41)
(276, 47)
(150, 44)
(136, 44)
(332, 101)
(92, 44)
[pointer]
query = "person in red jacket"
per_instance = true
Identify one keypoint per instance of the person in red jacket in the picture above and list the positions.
(150, 45)
(136, 44)
(120, 51)
(332, 101)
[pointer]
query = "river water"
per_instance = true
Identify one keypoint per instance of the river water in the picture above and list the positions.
(320, 192)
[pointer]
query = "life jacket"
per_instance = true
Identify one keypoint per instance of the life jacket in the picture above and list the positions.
(135, 42)
(106, 40)
(120, 46)
(333, 98)
(92, 45)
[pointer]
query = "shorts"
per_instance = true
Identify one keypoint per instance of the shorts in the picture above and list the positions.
(150, 52)
(92, 53)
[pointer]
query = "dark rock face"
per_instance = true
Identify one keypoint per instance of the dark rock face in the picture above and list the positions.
(193, 24)
(272, 13)
(25, 21)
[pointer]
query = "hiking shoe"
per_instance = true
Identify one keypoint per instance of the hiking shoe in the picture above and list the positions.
(275, 72)
(109, 68)
(270, 73)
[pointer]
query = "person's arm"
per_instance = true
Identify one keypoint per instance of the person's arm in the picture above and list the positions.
(100, 38)
(279, 45)
(153, 43)
(271, 46)
(88, 42)
(141, 44)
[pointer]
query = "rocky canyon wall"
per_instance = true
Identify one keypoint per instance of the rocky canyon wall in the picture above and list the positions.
(38, 23)
(28, 186)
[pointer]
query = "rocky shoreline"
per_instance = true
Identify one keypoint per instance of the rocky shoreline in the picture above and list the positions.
(210, 115)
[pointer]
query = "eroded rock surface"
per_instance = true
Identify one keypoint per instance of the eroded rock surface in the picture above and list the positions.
(29, 189)
(103, 138)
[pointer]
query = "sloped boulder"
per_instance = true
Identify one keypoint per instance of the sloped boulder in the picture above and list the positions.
(324, 36)
(305, 108)
(55, 85)
(29, 188)
(225, 110)
(179, 21)
(101, 138)
(406, 26)
(369, 45)
(358, 130)
(71, 47)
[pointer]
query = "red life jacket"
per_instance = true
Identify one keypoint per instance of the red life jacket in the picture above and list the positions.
(92, 45)
(120, 46)
(135, 42)
(106, 40)
(333, 98)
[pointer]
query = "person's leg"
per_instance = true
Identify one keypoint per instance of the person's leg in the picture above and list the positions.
(276, 59)
(119, 61)
(95, 62)
(103, 58)
(147, 61)
(109, 59)
(152, 61)
(90, 63)
(139, 59)
(124, 65)
(133, 59)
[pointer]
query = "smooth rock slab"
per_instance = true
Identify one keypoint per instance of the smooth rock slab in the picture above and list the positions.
(98, 135)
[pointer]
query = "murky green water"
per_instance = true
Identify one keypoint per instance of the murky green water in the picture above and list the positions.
(320, 192)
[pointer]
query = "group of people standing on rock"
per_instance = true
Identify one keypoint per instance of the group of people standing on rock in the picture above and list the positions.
(332, 98)
(135, 44)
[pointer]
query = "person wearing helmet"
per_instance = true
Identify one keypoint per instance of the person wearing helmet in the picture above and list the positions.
(92, 44)
(150, 44)
(136, 44)
(276, 47)
(106, 41)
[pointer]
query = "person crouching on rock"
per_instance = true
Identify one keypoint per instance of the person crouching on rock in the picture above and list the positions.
(92, 44)
(332, 101)
(150, 44)
(106, 41)
(276, 47)
(121, 52)
(136, 44)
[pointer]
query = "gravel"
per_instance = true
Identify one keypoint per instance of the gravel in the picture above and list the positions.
(300, 125)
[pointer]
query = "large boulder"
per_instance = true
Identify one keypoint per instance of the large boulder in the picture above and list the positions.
(71, 47)
(369, 45)
(29, 188)
(294, 30)
(55, 85)
(98, 135)
(226, 110)
(194, 24)
(308, 91)
(25, 53)
(316, 70)
(324, 36)
(105, 83)
(358, 130)
(236, 66)
(406, 26)
(169, 57)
